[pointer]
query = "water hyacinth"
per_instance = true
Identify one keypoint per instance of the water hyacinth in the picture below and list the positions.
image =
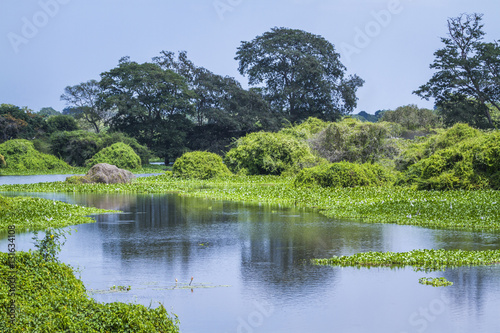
(428, 260)
(460, 210)
(435, 282)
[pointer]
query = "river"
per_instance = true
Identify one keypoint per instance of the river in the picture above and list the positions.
(251, 271)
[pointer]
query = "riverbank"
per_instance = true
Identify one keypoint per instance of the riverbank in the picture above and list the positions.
(47, 297)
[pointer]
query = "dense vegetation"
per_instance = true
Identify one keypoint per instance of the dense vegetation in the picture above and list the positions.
(37, 213)
(49, 298)
(420, 259)
(21, 155)
(201, 165)
(119, 154)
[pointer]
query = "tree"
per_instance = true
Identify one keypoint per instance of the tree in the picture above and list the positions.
(467, 68)
(412, 117)
(62, 123)
(48, 111)
(16, 122)
(153, 105)
(85, 97)
(302, 73)
(223, 110)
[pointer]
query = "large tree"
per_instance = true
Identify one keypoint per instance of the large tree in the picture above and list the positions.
(467, 72)
(301, 73)
(153, 105)
(86, 98)
(223, 110)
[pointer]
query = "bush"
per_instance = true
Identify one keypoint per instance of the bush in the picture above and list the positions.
(62, 123)
(20, 155)
(201, 165)
(412, 118)
(49, 298)
(472, 161)
(343, 174)
(76, 147)
(306, 129)
(354, 141)
(119, 154)
(264, 153)
(2, 162)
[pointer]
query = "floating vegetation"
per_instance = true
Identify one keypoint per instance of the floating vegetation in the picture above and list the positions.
(39, 214)
(435, 282)
(428, 260)
(461, 210)
(113, 289)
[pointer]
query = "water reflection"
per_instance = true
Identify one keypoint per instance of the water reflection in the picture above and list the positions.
(256, 261)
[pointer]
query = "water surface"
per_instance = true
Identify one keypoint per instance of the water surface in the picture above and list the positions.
(250, 265)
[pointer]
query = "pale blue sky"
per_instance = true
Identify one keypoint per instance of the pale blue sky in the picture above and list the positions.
(47, 45)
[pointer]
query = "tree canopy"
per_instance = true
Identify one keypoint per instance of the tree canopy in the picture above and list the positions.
(468, 72)
(301, 72)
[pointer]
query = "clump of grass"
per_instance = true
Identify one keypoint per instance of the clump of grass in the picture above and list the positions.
(435, 282)
(429, 260)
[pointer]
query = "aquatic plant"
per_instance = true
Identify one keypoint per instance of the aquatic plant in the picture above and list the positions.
(49, 298)
(39, 214)
(119, 154)
(461, 210)
(50, 245)
(428, 260)
(435, 282)
(201, 165)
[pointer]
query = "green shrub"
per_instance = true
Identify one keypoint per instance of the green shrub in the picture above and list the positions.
(76, 147)
(343, 174)
(200, 165)
(2, 162)
(306, 129)
(355, 141)
(62, 123)
(49, 298)
(119, 154)
(264, 153)
(471, 161)
(21, 155)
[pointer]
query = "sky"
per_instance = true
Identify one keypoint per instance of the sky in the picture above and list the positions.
(46, 45)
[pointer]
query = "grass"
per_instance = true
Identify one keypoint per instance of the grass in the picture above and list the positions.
(49, 298)
(459, 210)
(428, 260)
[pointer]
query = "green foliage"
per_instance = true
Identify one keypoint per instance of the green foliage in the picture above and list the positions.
(264, 153)
(20, 123)
(50, 245)
(21, 155)
(412, 118)
(428, 260)
(460, 210)
(302, 74)
(37, 214)
(343, 174)
(2, 162)
(354, 141)
(62, 123)
(435, 282)
(201, 165)
(119, 154)
(76, 147)
(459, 158)
(307, 129)
(49, 298)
